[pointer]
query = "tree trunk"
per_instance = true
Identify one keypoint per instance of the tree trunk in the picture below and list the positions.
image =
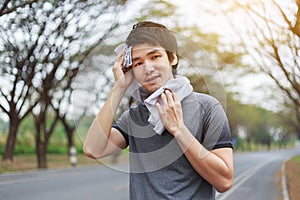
(40, 142)
(11, 141)
(69, 132)
(70, 138)
(69, 129)
(42, 154)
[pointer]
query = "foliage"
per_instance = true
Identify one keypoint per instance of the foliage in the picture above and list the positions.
(25, 143)
(269, 36)
(49, 49)
(43, 47)
(9, 6)
(249, 123)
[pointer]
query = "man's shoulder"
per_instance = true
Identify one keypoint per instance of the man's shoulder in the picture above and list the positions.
(205, 100)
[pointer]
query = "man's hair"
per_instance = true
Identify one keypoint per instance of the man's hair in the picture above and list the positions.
(154, 34)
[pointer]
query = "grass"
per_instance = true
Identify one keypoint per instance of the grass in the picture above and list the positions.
(293, 177)
(28, 162)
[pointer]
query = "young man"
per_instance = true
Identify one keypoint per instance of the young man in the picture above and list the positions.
(179, 140)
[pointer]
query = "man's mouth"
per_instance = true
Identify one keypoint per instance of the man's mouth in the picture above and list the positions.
(152, 78)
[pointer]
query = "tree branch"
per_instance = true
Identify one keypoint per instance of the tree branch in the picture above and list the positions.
(5, 10)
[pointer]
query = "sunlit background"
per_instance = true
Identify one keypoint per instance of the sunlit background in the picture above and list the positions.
(56, 58)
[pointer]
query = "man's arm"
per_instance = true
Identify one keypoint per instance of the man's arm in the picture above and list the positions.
(102, 139)
(214, 166)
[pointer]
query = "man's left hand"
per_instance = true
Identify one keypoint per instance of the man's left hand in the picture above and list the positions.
(171, 112)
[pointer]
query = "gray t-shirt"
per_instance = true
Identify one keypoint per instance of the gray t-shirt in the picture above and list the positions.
(158, 166)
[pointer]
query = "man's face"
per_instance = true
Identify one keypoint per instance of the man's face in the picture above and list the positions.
(151, 66)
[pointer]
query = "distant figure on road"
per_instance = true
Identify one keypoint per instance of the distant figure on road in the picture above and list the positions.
(179, 140)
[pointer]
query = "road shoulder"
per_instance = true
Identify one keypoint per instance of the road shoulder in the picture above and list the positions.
(292, 171)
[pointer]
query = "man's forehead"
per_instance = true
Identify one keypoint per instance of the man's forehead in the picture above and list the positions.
(146, 49)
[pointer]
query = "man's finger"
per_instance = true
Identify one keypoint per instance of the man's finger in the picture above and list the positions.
(159, 108)
(164, 99)
(170, 99)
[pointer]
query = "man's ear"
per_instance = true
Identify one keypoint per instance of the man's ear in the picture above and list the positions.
(175, 59)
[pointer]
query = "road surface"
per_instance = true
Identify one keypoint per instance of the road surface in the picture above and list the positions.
(255, 179)
(256, 175)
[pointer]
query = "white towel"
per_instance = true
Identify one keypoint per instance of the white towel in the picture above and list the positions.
(179, 85)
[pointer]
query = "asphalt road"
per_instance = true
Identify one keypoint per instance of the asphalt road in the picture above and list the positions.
(256, 175)
(255, 179)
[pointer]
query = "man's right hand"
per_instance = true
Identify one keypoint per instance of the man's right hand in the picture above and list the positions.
(122, 80)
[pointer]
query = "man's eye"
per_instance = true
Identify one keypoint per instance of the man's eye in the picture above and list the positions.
(155, 57)
(138, 64)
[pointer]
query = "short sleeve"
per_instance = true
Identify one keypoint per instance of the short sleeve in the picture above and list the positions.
(216, 131)
(122, 125)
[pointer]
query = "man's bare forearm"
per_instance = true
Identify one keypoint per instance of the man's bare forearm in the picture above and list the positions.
(215, 167)
(99, 132)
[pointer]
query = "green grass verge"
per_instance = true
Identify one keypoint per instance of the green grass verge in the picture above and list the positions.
(29, 161)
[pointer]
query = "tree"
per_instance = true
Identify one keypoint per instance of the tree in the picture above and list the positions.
(44, 45)
(17, 91)
(55, 39)
(57, 84)
(268, 34)
(257, 122)
(9, 6)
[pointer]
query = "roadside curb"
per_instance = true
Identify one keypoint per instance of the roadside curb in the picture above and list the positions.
(285, 192)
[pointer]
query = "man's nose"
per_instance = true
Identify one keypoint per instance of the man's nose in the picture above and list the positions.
(149, 67)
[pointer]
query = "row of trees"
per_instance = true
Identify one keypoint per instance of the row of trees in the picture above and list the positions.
(43, 47)
(269, 38)
(49, 51)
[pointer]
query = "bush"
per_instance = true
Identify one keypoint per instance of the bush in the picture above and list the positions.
(55, 149)
(24, 149)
